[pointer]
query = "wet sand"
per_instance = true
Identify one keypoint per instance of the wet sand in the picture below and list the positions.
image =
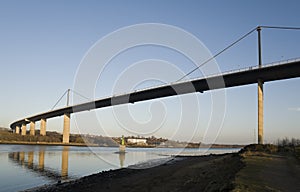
(204, 173)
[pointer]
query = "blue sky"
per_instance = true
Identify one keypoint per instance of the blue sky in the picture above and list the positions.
(44, 42)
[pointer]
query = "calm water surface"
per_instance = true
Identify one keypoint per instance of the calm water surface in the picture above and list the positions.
(27, 166)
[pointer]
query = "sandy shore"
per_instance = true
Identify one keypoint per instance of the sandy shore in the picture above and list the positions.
(205, 173)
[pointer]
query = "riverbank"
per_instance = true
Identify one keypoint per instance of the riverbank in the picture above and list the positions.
(47, 143)
(269, 169)
(254, 168)
(219, 146)
(53, 138)
(214, 146)
(202, 173)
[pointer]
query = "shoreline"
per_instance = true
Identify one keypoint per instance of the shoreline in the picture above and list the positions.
(254, 168)
(214, 172)
(47, 143)
(217, 146)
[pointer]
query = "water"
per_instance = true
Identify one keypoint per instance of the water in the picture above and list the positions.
(27, 166)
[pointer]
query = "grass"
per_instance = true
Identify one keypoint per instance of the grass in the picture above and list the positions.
(263, 165)
(246, 178)
(297, 152)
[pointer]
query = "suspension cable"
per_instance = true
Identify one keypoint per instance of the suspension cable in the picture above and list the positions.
(81, 95)
(219, 53)
(280, 27)
(205, 62)
(59, 99)
(75, 92)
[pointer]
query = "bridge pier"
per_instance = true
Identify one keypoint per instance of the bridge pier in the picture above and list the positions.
(17, 129)
(43, 127)
(23, 129)
(260, 92)
(66, 131)
(32, 128)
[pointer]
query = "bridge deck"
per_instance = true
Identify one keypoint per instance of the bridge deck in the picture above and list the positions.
(247, 76)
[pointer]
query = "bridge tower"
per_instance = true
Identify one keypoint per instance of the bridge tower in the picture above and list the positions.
(260, 94)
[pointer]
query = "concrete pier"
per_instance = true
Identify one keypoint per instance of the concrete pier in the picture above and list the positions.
(17, 129)
(66, 131)
(260, 92)
(43, 127)
(32, 128)
(23, 129)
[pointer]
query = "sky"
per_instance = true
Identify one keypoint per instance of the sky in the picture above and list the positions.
(44, 45)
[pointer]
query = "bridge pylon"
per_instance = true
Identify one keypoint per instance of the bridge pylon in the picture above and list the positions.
(260, 94)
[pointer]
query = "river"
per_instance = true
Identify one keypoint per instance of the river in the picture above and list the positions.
(27, 166)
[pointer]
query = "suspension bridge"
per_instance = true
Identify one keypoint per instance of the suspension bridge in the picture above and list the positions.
(259, 74)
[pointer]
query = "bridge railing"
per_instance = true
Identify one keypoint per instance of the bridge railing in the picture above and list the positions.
(255, 67)
(215, 75)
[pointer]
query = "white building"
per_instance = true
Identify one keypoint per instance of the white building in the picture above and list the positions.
(137, 141)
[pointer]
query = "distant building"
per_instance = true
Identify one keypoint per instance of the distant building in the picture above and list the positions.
(138, 141)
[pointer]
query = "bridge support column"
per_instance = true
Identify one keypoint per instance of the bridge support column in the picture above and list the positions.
(23, 129)
(43, 127)
(260, 92)
(32, 128)
(17, 129)
(66, 131)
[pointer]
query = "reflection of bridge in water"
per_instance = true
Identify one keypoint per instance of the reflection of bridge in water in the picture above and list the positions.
(39, 168)
(26, 160)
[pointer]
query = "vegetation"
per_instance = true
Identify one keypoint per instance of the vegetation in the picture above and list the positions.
(282, 145)
(51, 137)
(54, 137)
(297, 152)
(265, 164)
(98, 140)
(257, 148)
(289, 145)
